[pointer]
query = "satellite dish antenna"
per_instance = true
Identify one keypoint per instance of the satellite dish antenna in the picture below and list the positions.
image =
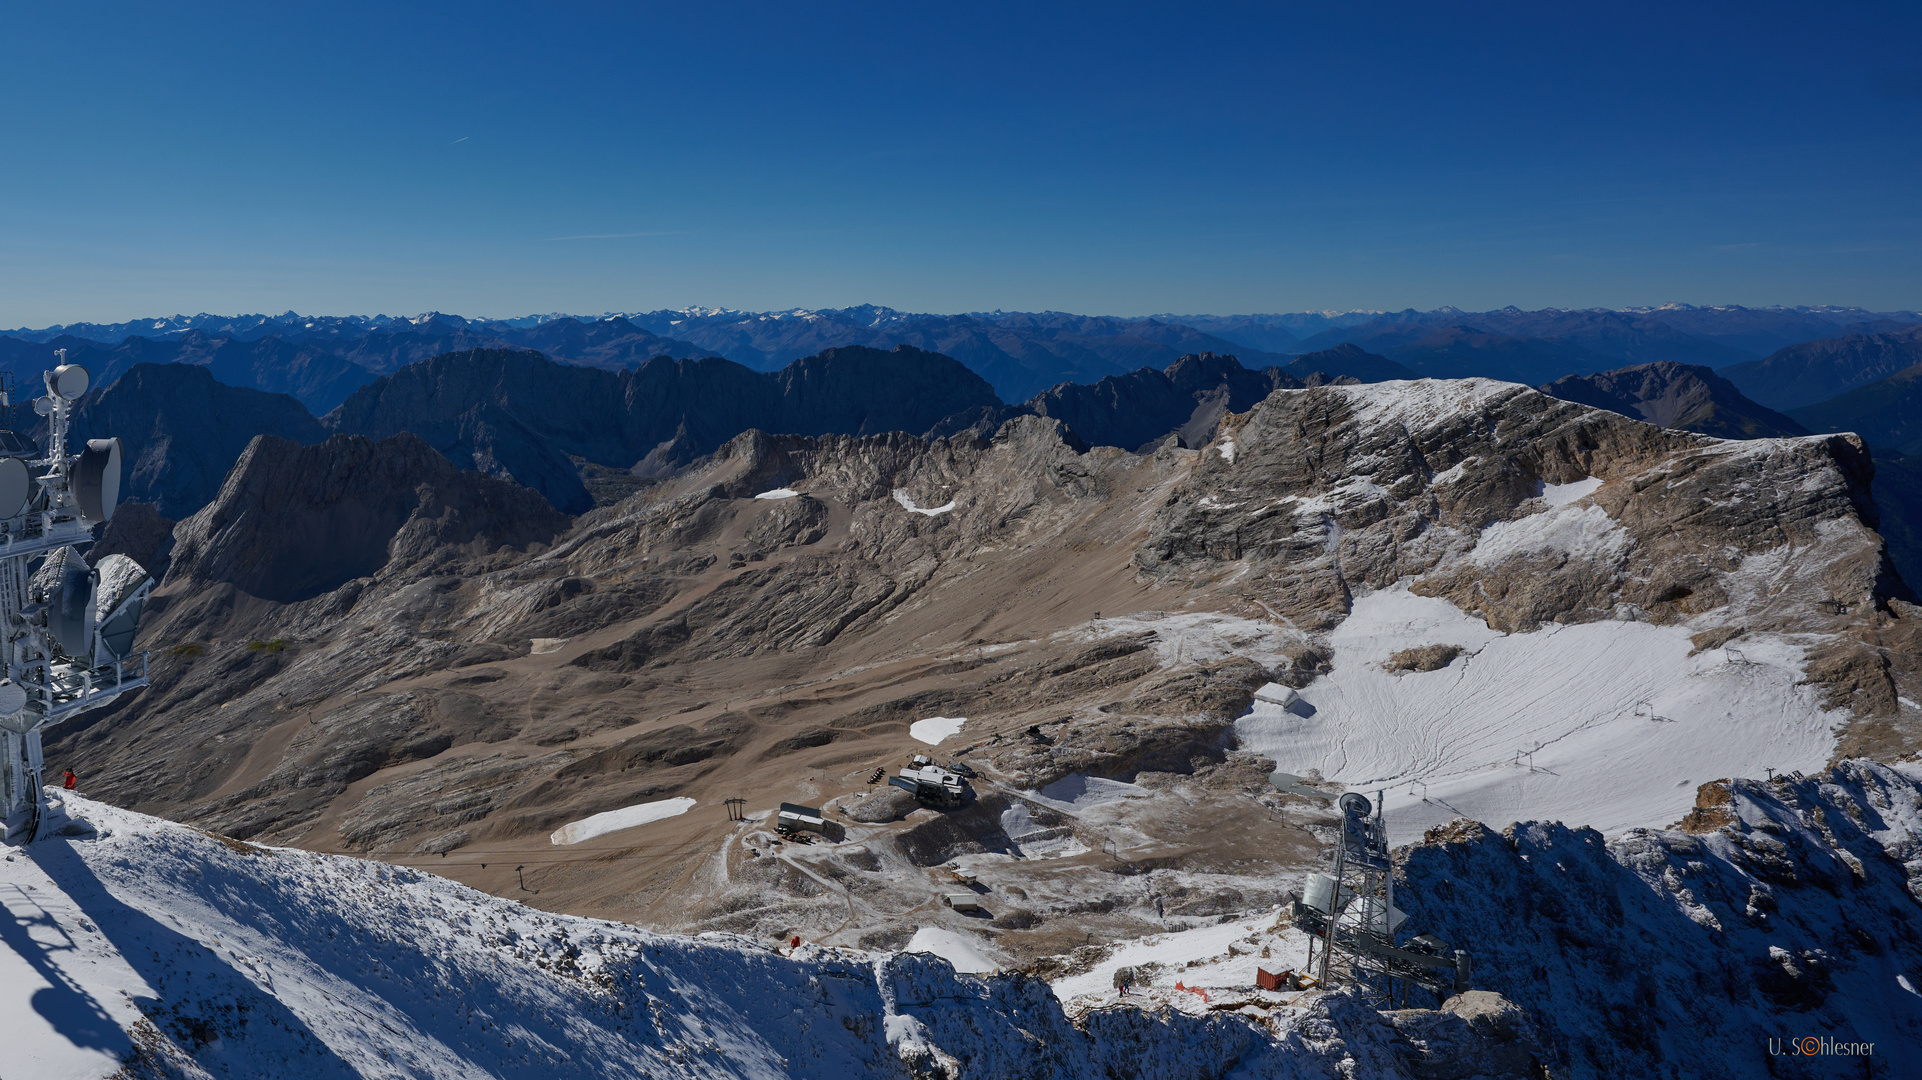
(69, 381)
(43, 406)
(13, 698)
(16, 483)
(118, 600)
(1355, 804)
(96, 479)
(71, 613)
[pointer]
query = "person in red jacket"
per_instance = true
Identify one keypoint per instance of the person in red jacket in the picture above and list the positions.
(72, 781)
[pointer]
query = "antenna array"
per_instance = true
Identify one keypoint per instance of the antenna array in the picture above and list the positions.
(66, 627)
(1351, 919)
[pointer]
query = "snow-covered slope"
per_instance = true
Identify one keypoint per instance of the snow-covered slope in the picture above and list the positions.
(1608, 724)
(134, 942)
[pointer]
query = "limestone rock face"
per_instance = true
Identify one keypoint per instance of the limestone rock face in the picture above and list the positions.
(1518, 507)
(292, 522)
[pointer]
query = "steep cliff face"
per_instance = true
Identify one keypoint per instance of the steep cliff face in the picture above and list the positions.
(182, 430)
(518, 415)
(1519, 508)
(292, 522)
(1777, 910)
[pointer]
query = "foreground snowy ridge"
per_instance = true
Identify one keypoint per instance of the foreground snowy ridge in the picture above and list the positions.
(141, 948)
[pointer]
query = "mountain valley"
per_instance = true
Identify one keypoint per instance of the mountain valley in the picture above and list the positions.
(1164, 618)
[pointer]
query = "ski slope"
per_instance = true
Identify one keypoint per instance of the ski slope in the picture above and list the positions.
(1608, 724)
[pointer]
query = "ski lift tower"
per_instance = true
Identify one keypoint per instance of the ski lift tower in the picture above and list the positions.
(66, 627)
(1351, 919)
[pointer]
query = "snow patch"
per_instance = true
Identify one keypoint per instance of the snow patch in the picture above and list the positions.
(1227, 449)
(778, 493)
(1623, 723)
(1563, 494)
(907, 503)
(1208, 956)
(1078, 791)
(1586, 532)
(626, 817)
(935, 729)
(956, 949)
(1420, 404)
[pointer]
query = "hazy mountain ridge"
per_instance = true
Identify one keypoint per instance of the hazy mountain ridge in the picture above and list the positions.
(1677, 396)
(1804, 375)
(519, 415)
(1020, 353)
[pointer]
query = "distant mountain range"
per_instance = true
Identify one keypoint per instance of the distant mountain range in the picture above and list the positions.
(322, 359)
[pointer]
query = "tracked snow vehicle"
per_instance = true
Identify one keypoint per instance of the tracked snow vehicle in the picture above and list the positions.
(66, 626)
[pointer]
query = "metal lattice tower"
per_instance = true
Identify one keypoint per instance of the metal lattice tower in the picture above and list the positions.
(1352, 921)
(66, 627)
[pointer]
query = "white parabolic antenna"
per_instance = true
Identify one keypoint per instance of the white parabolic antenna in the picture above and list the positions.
(96, 479)
(13, 697)
(70, 381)
(16, 483)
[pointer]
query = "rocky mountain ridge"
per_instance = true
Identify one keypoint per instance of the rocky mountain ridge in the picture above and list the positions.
(1677, 396)
(322, 359)
(775, 618)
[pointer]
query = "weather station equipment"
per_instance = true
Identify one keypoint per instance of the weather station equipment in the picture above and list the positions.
(66, 626)
(1352, 922)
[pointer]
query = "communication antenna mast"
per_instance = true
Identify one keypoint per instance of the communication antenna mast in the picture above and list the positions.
(1352, 922)
(66, 627)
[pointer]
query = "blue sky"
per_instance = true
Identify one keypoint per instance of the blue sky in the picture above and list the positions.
(496, 159)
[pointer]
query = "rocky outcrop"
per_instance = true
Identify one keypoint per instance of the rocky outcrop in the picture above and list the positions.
(1665, 953)
(1469, 489)
(182, 430)
(292, 522)
(519, 416)
(1675, 395)
(1135, 410)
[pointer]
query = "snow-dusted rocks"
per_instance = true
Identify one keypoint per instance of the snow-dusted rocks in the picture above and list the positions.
(1524, 510)
(1666, 953)
(139, 943)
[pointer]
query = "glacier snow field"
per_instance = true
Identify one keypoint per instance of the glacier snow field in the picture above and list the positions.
(1608, 724)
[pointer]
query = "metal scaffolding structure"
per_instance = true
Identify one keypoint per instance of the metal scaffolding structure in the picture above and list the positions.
(66, 627)
(1352, 922)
